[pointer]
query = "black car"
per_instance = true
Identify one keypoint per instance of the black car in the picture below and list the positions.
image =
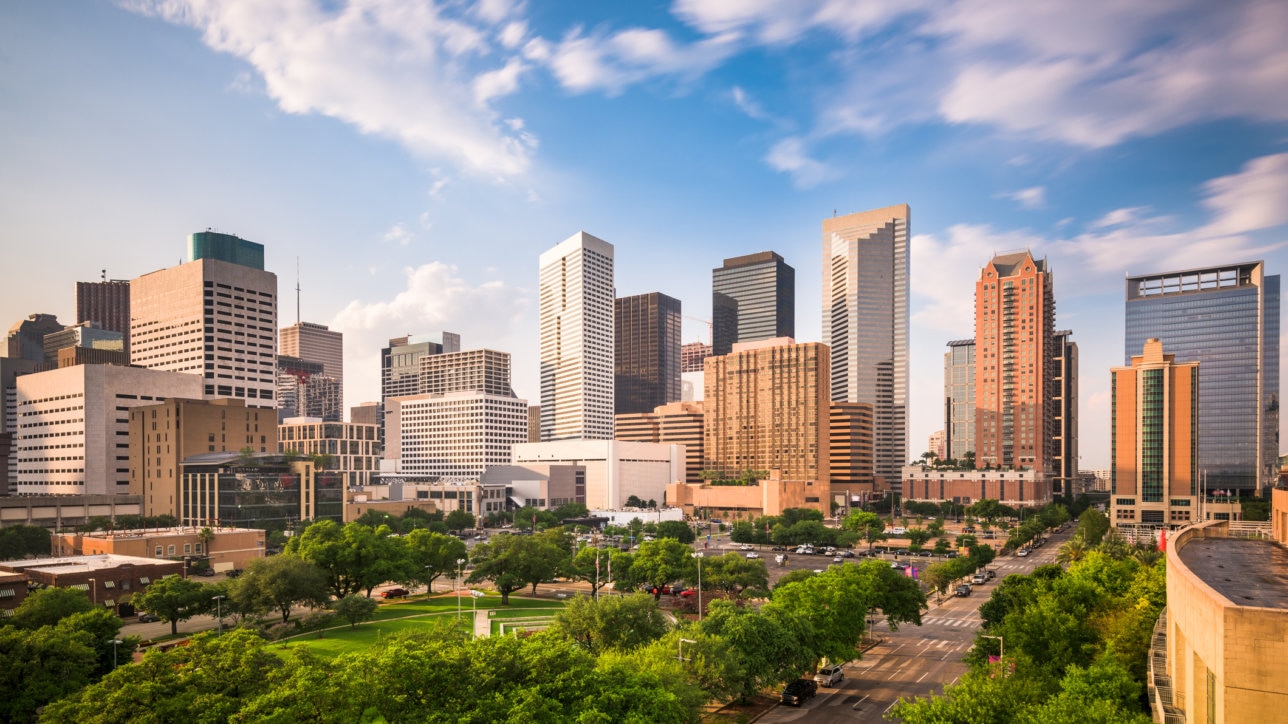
(963, 590)
(145, 617)
(798, 691)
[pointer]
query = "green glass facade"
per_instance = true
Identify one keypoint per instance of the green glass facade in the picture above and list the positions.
(225, 247)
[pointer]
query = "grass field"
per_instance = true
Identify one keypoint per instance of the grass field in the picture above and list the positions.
(413, 615)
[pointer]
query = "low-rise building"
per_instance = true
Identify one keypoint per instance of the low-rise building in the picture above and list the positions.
(224, 548)
(1029, 488)
(1217, 651)
(58, 512)
(257, 491)
(680, 423)
(615, 470)
(349, 450)
(770, 496)
(540, 485)
(107, 580)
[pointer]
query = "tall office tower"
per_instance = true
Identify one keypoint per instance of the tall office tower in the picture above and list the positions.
(534, 423)
(400, 362)
(105, 302)
(10, 369)
(648, 352)
(681, 423)
(692, 355)
(753, 297)
(1156, 431)
(73, 425)
(576, 303)
(959, 399)
(485, 370)
(366, 413)
(453, 435)
(162, 435)
(767, 409)
(937, 445)
(865, 321)
(86, 335)
(850, 454)
(1014, 363)
(315, 343)
(1064, 399)
(1226, 318)
(27, 338)
(211, 317)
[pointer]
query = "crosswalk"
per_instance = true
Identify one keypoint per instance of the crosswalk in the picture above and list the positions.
(954, 622)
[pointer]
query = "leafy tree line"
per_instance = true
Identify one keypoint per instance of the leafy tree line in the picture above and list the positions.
(1076, 642)
(794, 527)
(22, 541)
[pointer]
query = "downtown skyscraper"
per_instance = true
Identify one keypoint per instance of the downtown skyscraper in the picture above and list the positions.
(865, 322)
(753, 297)
(576, 307)
(1226, 318)
(648, 352)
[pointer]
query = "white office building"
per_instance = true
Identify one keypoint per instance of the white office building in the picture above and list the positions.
(72, 425)
(615, 470)
(454, 435)
(577, 340)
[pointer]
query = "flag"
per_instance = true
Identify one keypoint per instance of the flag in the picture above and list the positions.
(1162, 539)
(993, 659)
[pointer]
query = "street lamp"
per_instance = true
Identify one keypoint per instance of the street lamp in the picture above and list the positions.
(699, 557)
(460, 563)
(219, 611)
(115, 643)
(1001, 650)
(93, 590)
(474, 602)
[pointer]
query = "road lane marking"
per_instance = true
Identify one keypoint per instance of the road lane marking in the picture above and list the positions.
(860, 701)
(923, 676)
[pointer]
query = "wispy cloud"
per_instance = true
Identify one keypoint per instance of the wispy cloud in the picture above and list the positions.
(746, 104)
(790, 157)
(1031, 198)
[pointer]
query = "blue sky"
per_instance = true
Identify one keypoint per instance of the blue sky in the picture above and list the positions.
(417, 157)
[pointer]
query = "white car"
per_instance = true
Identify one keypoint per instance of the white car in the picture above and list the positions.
(746, 547)
(898, 530)
(1023, 552)
(753, 554)
(829, 675)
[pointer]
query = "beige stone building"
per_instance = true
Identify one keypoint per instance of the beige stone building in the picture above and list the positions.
(851, 453)
(767, 497)
(767, 407)
(348, 449)
(1016, 488)
(162, 436)
(678, 422)
(229, 548)
(1217, 652)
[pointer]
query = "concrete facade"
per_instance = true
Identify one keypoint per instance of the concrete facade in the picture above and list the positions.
(577, 339)
(213, 319)
(347, 449)
(315, 343)
(230, 548)
(851, 453)
(767, 497)
(540, 485)
(73, 425)
(681, 423)
(1028, 488)
(162, 436)
(105, 302)
(453, 436)
(615, 470)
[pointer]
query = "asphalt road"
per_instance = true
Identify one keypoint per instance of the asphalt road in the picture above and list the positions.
(915, 661)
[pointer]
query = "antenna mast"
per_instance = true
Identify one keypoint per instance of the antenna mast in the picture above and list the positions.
(297, 290)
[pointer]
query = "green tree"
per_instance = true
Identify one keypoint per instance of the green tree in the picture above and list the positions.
(569, 511)
(868, 526)
(612, 622)
(676, 529)
(734, 574)
(770, 649)
(660, 562)
(278, 583)
(354, 608)
(1092, 526)
(174, 599)
(918, 536)
(431, 555)
(511, 562)
(42, 665)
(459, 520)
(591, 565)
(349, 555)
(22, 541)
(989, 510)
(799, 574)
(385, 556)
(48, 606)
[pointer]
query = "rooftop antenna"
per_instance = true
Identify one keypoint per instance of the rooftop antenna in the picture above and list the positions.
(102, 275)
(297, 290)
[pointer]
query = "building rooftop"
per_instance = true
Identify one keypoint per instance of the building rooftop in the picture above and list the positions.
(151, 532)
(79, 564)
(1248, 572)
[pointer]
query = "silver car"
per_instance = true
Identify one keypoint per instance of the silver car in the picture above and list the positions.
(830, 675)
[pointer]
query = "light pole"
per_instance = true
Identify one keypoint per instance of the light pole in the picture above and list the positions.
(460, 563)
(474, 601)
(93, 590)
(219, 612)
(1001, 651)
(428, 582)
(699, 557)
(115, 643)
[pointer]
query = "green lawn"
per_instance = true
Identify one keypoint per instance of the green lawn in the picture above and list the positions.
(416, 614)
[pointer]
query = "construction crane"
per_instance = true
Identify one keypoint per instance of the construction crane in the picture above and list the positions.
(704, 321)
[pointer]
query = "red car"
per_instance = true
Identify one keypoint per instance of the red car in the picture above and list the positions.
(688, 592)
(394, 593)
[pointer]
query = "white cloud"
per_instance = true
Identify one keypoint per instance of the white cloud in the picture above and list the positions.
(398, 234)
(1255, 198)
(418, 73)
(1118, 217)
(611, 62)
(746, 104)
(435, 298)
(789, 156)
(1030, 198)
(773, 22)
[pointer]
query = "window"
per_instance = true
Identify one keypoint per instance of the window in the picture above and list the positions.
(144, 580)
(109, 584)
(196, 547)
(170, 550)
(187, 548)
(158, 553)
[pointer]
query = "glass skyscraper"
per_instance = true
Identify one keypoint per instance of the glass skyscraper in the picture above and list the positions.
(753, 297)
(1226, 318)
(647, 361)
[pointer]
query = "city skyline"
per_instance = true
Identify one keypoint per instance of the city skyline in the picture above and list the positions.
(730, 133)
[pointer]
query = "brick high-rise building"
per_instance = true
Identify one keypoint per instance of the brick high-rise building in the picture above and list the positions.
(850, 454)
(105, 302)
(767, 408)
(680, 423)
(1154, 438)
(1015, 363)
(753, 297)
(647, 359)
(211, 317)
(865, 322)
(692, 356)
(577, 339)
(315, 343)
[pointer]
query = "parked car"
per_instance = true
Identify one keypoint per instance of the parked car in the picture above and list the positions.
(847, 554)
(233, 573)
(978, 578)
(688, 593)
(829, 675)
(394, 593)
(963, 590)
(838, 559)
(1023, 552)
(990, 573)
(778, 548)
(898, 530)
(753, 554)
(206, 572)
(145, 617)
(798, 691)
